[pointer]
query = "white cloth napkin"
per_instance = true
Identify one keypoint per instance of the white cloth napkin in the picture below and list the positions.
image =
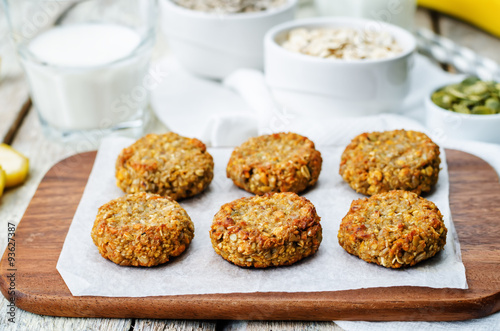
(201, 108)
(229, 113)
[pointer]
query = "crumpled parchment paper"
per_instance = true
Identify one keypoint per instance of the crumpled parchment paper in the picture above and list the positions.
(199, 270)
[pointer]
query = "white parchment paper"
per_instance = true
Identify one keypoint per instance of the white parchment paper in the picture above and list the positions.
(199, 270)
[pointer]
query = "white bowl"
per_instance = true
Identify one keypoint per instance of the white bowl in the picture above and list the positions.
(445, 124)
(334, 86)
(214, 45)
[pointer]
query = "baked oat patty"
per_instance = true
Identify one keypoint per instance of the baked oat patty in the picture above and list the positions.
(271, 230)
(166, 164)
(393, 229)
(142, 229)
(392, 160)
(281, 162)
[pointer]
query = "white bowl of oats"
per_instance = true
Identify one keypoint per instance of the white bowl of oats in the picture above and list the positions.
(339, 66)
(212, 38)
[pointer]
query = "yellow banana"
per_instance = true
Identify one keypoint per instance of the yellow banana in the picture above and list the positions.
(482, 13)
(15, 165)
(2, 181)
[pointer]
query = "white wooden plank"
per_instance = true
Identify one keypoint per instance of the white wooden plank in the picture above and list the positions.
(13, 87)
(173, 325)
(25, 321)
(13, 95)
(469, 36)
(281, 326)
(423, 19)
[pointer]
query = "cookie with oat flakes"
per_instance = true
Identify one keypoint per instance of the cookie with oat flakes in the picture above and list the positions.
(166, 164)
(142, 229)
(392, 160)
(275, 229)
(280, 162)
(393, 229)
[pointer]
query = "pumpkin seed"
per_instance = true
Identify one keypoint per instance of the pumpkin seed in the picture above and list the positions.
(483, 110)
(493, 104)
(471, 96)
(461, 108)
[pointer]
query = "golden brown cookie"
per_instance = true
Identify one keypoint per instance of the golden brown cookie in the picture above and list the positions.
(392, 160)
(281, 162)
(142, 229)
(166, 164)
(275, 229)
(393, 229)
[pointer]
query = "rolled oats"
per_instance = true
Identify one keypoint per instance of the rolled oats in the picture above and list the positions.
(342, 43)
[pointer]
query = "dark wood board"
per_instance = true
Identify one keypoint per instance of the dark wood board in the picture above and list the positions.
(475, 205)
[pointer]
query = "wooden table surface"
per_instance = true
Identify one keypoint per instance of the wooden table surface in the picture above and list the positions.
(19, 126)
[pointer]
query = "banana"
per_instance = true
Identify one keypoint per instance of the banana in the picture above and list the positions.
(482, 13)
(14, 164)
(2, 181)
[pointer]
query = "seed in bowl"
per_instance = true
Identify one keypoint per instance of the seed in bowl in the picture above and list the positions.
(166, 164)
(342, 43)
(471, 96)
(379, 162)
(275, 229)
(393, 229)
(142, 230)
(280, 162)
(230, 6)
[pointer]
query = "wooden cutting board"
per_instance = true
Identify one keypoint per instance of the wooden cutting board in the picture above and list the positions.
(475, 205)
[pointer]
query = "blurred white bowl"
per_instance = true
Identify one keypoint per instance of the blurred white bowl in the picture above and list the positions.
(214, 45)
(334, 86)
(445, 124)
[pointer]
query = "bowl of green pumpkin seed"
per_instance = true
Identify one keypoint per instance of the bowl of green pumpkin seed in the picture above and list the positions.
(469, 110)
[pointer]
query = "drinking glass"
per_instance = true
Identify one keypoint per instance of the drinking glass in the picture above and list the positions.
(86, 62)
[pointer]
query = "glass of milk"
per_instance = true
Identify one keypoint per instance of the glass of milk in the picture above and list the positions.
(397, 12)
(86, 62)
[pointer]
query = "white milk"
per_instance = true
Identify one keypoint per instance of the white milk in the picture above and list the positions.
(83, 76)
(397, 12)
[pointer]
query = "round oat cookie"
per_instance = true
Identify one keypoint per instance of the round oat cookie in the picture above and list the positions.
(275, 229)
(392, 160)
(142, 229)
(281, 162)
(393, 229)
(166, 164)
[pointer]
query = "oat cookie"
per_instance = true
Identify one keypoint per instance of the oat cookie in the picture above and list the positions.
(392, 160)
(393, 229)
(142, 229)
(281, 162)
(275, 229)
(166, 164)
